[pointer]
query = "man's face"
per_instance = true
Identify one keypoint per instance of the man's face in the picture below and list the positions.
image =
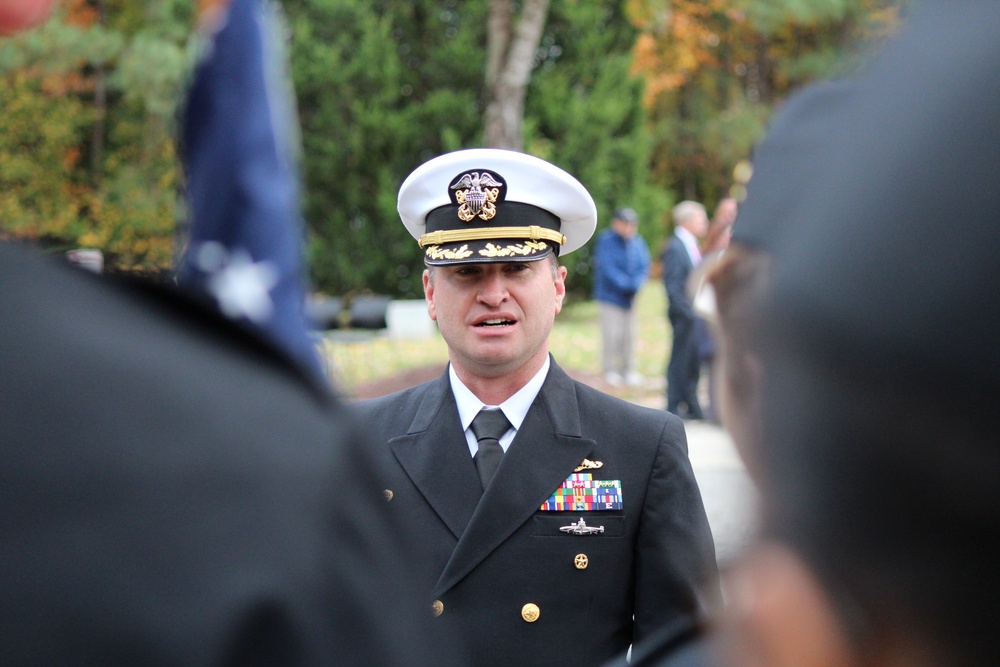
(496, 318)
(697, 224)
(624, 228)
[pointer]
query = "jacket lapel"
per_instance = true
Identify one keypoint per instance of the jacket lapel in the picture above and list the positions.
(545, 451)
(436, 457)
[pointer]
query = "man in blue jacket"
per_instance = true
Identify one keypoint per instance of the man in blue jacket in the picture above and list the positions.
(621, 264)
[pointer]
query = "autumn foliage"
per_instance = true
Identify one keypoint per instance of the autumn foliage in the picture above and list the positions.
(646, 101)
(86, 158)
(715, 69)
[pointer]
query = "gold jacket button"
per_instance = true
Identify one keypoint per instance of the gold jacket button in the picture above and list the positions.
(438, 607)
(530, 612)
(388, 494)
(581, 561)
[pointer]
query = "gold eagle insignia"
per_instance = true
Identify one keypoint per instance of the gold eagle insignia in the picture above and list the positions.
(479, 196)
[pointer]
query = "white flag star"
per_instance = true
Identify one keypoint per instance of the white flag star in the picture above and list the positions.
(241, 286)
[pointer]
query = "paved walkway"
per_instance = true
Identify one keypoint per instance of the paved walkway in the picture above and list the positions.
(729, 496)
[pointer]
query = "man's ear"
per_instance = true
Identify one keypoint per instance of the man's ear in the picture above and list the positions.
(560, 285)
(780, 616)
(429, 294)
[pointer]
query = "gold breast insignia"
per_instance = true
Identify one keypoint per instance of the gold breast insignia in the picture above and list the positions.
(588, 465)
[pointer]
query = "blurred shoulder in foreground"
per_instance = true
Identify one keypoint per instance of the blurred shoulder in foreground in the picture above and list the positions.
(175, 492)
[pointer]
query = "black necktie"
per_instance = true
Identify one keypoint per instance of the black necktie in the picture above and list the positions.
(488, 426)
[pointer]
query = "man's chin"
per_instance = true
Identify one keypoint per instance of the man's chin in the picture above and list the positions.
(492, 367)
(503, 365)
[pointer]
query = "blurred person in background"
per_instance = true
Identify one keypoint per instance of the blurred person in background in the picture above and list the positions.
(716, 240)
(680, 257)
(728, 292)
(621, 267)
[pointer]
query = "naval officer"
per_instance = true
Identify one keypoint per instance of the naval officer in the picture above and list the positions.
(548, 522)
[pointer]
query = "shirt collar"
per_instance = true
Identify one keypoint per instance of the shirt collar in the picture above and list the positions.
(514, 408)
(690, 243)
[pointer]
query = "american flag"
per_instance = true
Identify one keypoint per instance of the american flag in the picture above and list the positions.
(240, 143)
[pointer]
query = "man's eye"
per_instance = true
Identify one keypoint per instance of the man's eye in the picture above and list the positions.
(518, 266)
(466, 271)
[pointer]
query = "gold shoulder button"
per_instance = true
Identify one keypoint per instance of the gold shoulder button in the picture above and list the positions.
(530, 612)
(438, 607)
(388, 494)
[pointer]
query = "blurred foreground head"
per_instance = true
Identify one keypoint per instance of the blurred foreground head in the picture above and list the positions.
(730, 286)
(17, 15)
(877, 445)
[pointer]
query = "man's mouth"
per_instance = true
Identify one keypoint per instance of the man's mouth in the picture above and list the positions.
(496, 322)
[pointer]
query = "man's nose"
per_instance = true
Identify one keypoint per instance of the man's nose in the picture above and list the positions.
(493, 290)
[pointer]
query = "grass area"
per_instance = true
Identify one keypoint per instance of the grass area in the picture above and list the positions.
(575, 344)
(576, 338)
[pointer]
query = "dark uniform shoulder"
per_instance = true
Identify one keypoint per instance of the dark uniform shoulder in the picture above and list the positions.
(588, 396)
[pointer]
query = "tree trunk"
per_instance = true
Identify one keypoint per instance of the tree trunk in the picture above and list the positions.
(510, 57)
(765, 72)
(101, 106)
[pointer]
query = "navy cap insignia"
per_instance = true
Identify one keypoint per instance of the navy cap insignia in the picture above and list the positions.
(476, 194)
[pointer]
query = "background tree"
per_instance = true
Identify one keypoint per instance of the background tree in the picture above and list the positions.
(384, 86)
(646, 101)
(715, 70)
(87, 157)
(585, 113)
(511, 45)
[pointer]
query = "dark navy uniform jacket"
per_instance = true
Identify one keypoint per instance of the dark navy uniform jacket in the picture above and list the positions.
(499, 572)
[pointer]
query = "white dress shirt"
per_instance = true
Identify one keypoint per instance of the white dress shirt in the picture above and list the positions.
(515, 408)
(690, 243)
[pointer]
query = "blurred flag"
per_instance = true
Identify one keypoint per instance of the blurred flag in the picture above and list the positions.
(245, 242)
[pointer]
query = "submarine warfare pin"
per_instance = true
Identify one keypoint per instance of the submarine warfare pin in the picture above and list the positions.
(581, 528)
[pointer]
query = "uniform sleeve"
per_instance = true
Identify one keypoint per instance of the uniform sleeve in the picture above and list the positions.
(676, 575)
